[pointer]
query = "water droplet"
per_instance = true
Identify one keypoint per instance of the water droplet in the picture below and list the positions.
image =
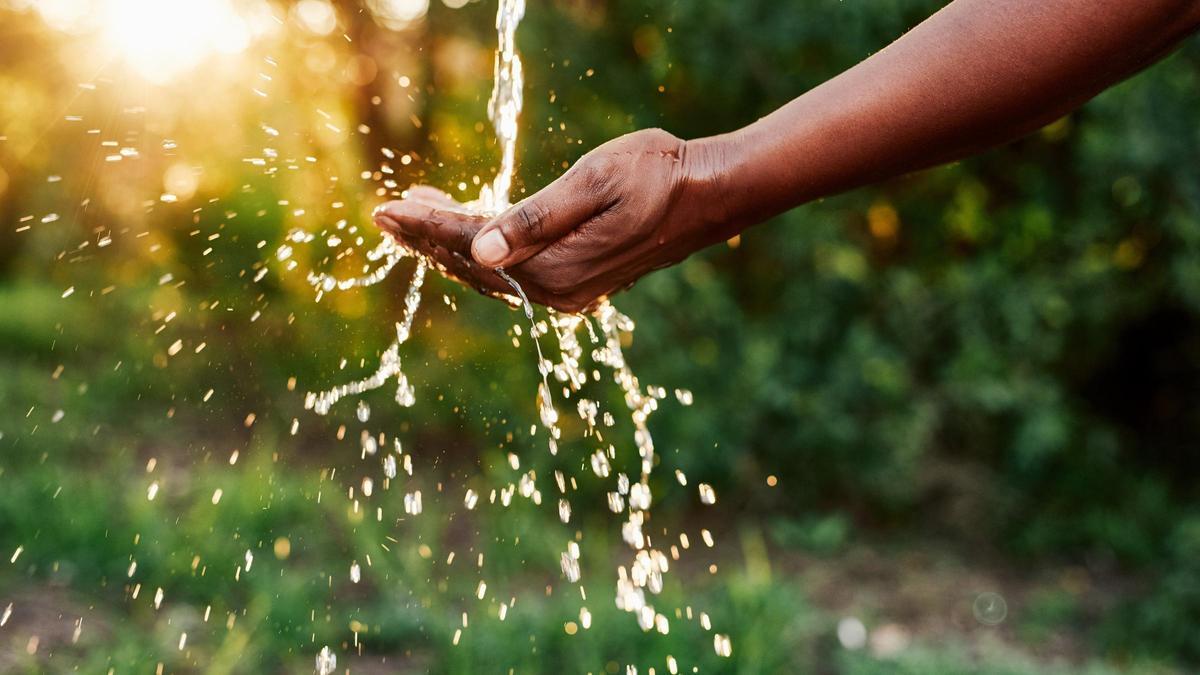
(722, 645)
(326, 662)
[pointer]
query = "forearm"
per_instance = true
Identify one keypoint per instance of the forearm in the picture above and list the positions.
(976, 74)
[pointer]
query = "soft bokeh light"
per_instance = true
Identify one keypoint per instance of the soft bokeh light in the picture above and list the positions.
(316, 16)
(397, 14)
(181, 181)
(161, 38)
(158, 39)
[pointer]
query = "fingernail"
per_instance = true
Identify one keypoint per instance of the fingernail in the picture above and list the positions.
(491, 248)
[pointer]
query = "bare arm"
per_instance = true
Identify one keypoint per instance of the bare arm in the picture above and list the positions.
(976, 74)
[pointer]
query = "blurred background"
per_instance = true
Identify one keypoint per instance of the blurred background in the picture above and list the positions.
(952, 420)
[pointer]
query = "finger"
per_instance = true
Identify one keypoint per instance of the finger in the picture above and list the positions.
(466, 272)
(542, 219)
(455, 264)
(461, 268)
(433, 197)
(480, 278)
(414, 219)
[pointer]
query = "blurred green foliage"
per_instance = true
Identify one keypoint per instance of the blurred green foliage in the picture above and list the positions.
(999, 357)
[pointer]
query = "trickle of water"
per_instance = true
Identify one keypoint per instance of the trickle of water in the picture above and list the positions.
(525, 304)
(546, 406)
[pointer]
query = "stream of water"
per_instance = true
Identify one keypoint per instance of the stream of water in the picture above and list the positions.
(605, 330)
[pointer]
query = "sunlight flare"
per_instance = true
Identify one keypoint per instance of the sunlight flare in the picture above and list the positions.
(160, 39)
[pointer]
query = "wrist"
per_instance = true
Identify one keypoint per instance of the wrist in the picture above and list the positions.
(753, 174)
(710, 185)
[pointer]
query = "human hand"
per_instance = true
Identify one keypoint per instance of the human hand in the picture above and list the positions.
(633, 205)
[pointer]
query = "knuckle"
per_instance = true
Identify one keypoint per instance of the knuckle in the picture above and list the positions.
(658, 137)
(529, 220)
(595, 175)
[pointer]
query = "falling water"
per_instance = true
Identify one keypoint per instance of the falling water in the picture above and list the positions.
(504, 107)
(637, 583)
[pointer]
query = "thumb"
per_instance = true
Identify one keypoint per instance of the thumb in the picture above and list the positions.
(534, 223)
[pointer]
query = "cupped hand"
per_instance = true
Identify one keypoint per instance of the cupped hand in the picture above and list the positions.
(633, 205)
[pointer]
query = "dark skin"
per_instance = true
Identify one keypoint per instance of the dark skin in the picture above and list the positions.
(976, 74)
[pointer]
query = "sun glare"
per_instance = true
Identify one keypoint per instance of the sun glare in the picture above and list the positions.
(160, 39)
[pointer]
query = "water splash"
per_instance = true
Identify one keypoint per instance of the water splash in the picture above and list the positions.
(638, 582)
(389, 362)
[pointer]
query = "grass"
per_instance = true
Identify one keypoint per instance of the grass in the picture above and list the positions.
(81, 530)
(95, 549)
